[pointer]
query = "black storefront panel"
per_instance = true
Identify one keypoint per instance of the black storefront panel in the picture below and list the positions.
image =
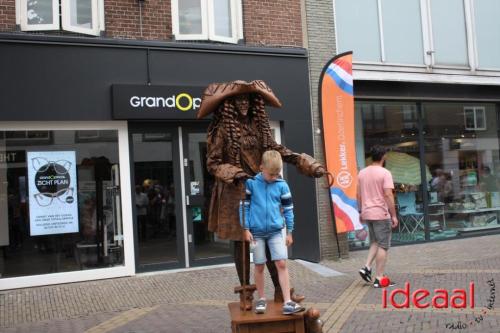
(58, 79)
(54, 82)
(74, 82)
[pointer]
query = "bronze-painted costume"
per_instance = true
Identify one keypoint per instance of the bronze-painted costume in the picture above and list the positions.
(237, 138)
(226, 194)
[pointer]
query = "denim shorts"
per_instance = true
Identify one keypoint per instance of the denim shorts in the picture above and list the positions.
(276, 244)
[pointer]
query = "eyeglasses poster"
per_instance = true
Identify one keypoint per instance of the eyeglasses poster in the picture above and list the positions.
(53, 203)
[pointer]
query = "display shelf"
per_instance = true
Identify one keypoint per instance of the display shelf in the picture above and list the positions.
(470, 211)
(485, 227)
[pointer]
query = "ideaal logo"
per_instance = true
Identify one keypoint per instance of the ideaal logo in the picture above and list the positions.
(182, 102)
(442, 299)
(459, 325)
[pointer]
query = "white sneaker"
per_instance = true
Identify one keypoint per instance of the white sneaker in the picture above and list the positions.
(260, 306)
(292, 307)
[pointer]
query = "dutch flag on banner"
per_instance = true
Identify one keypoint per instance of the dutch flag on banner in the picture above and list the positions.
(341, 72)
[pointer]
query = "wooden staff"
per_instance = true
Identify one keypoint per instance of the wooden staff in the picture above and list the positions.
(243, 252)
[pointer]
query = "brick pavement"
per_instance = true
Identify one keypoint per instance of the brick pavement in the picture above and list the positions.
(196, 301)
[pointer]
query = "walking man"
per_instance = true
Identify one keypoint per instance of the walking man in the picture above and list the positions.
(376, 201)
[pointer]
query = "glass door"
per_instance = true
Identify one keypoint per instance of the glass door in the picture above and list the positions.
(159, 234)
(204, 246)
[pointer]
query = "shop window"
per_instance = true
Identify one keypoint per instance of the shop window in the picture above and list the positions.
(410, 120)
(218, 20)
(60, 203)
(394, 126)
(450, 189)
(475, 118)
(465, 168)
(82, 16)
(373, 117)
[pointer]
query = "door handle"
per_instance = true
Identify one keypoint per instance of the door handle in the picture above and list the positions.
(187, 200)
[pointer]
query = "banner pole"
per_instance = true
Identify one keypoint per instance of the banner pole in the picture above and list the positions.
(332, 211)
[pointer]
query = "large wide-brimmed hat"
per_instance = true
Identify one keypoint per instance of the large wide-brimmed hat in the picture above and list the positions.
(216, 93)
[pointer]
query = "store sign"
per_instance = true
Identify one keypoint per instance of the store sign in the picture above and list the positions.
(156, 102)
(52, 192)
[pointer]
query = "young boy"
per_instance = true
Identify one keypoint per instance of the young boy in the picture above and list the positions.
(266, 196)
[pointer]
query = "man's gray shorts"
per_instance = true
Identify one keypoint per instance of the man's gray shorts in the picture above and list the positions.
(380, 232)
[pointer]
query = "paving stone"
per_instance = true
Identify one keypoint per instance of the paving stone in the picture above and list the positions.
(196, 301)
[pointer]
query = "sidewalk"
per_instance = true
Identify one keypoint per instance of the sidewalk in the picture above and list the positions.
(196, 301)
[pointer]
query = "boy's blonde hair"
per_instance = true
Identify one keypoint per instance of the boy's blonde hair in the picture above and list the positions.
(271, 161)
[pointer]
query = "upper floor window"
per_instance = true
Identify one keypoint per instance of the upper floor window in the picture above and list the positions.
(218, 20)
(448, 44)
(454, 34)
(80, 16)
(380, 30)
(487, 31)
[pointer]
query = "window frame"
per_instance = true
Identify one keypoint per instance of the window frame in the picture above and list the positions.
(475, 48)
(208, 23)
(98, 18)
(234, 25)
(176, 24)
(429, 50)
(66, 18)
(475, 110)
(23, 17)
(128, 267)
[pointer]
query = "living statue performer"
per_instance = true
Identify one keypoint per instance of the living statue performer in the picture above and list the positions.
(237, 137)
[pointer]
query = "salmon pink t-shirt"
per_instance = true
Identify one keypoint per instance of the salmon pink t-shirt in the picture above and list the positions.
(372, 181)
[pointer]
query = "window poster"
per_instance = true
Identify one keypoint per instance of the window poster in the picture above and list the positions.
(52, 192)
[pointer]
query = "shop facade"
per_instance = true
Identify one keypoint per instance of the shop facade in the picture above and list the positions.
(444, 142)
(426, 77)
(103, 160)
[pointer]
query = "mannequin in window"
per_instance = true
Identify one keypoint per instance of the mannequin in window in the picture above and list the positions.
(237, 137)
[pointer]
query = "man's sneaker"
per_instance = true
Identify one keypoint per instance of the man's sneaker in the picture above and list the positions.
(292, 307)
(366, 274)
(376, 284)
(260, 306)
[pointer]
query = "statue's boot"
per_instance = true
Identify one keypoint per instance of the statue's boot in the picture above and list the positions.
(246, 296)
(278, 296)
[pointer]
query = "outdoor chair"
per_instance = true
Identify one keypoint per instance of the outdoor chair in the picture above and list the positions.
(410, 219)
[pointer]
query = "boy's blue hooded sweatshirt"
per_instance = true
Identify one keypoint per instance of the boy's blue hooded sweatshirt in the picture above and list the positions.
(263, 204)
